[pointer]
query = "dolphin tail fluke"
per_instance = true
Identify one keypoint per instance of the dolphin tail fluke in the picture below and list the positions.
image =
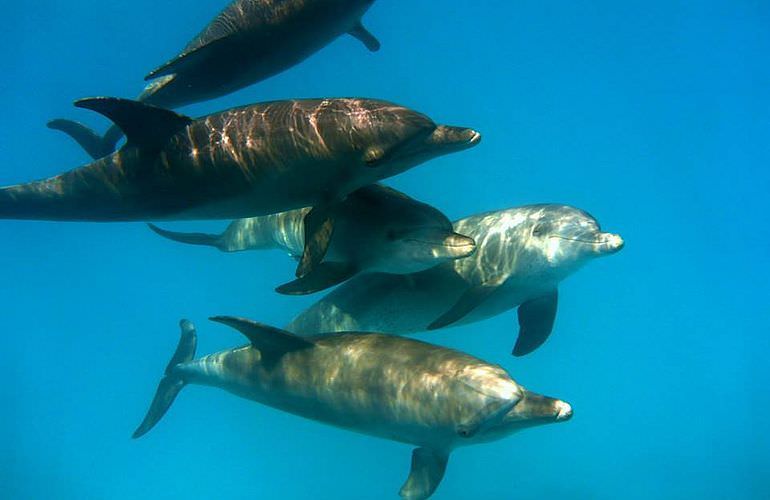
(95, 145)
(172, 381)
(211, 240)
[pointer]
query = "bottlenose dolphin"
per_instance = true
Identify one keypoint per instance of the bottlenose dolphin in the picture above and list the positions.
(391, 387)
(377, 229)
(248, 161)
(249, 41)
(522, 254)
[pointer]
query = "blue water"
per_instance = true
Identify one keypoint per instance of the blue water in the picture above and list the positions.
(653, 116)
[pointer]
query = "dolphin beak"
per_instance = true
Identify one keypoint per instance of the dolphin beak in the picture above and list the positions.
(563, 411)
(611, 243)
(458, 246)
(454, 138)
(537, 409)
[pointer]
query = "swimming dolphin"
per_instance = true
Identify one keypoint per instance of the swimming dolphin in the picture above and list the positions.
(377, 229)
(248, 161)
(249, 41)
(391, 387)
(522, 254)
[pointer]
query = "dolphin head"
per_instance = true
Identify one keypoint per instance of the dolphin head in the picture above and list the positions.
(532, 410)
(496, 406)
(403, 235)
(389, 139)
(565, 237)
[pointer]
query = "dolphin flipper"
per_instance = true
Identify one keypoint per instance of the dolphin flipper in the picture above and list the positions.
(365, 36)
(199, 56)
(172, 382)
(319, 228)
(428, 467)
(323, 276)
(469, 301)
(536, 318)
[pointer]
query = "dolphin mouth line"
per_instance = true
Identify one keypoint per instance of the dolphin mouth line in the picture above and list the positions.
(436, 243)
(579, 240)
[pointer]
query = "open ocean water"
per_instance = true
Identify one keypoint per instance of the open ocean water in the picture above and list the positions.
(652, 116)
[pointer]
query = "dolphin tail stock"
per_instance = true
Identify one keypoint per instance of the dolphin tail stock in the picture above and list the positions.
(172, 381)
(95, 145)
(204, 239)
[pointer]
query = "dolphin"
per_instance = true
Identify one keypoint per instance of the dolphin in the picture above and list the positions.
(249, 41)
(434, 398)
(243, 162)
(522, 254)
(377, 229)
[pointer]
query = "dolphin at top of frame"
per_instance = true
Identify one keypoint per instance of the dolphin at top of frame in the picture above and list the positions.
(249, 41)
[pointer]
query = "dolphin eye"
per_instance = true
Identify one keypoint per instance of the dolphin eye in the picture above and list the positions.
(538, 230)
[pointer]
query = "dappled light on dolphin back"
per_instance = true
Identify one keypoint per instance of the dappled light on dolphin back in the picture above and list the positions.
(434, 398)
(521, 256)
(249, 41)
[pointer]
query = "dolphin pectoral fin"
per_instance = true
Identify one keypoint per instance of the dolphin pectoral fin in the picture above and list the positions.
(319, 227)
(197, 56)
(323, 276)
(171, 383)
(536, 318)
(271, 342)
(428, 467)
(144, 126)
(365, 37)
(469, 301)
(90, 141)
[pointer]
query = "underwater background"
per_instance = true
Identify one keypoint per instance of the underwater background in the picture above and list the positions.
(652, 116)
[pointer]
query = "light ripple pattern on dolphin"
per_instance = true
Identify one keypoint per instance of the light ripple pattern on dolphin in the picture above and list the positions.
(391, 387)
(522, 254)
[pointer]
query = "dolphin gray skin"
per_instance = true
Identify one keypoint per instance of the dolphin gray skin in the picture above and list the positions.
(249, 41)
(248, 161)
(522, 254)
(377, 229)
(390, 387)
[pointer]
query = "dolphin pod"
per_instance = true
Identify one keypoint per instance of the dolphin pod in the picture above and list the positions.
(255, 160)
(522, 254)
(377, 229)
(249, 41)
(302, 175)
(434, 398)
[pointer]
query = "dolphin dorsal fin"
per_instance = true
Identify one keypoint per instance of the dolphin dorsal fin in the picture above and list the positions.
(145, 126)
(270, 341)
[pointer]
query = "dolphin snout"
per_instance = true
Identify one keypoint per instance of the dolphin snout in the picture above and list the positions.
(563, 411)
(455, 137)
(458, 246)
(612, 242)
